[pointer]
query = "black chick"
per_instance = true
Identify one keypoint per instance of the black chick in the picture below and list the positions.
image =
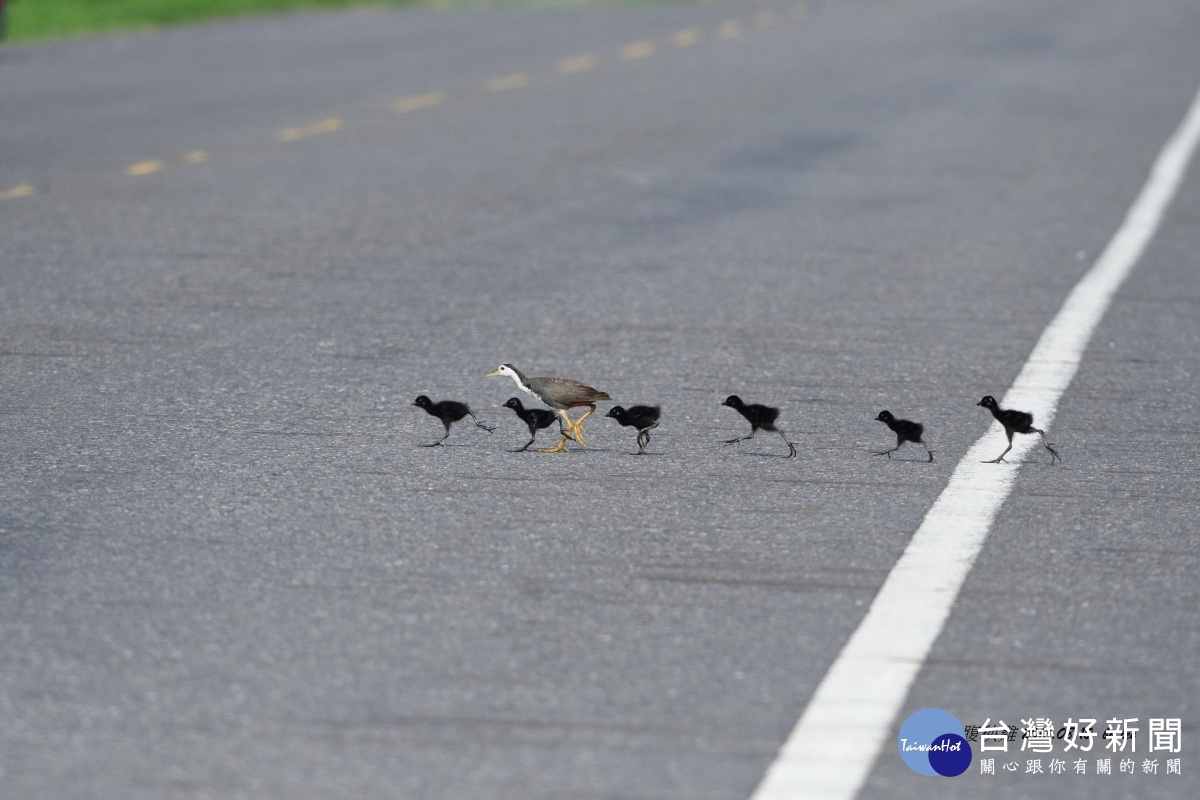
(535, 418)
(644, 418)
(759, 416)
(1015, 422)
(905, 431)
(449, 412)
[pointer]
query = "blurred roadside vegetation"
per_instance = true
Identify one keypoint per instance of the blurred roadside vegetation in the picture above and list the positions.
(43, 19)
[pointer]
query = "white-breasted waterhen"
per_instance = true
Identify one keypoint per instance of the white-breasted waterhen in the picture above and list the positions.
(905, 430)
(759, 416)
(644, 418)
(449, 412)
(535, 418)
(1015, 422)
(560, 394)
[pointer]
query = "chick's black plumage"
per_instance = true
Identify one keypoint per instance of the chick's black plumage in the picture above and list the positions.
(449, 412)
(905, 430)
(643, 418)
(760, 417)
(1015, 422)
(535, 418)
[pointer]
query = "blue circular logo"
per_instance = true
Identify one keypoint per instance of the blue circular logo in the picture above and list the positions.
(931, 743)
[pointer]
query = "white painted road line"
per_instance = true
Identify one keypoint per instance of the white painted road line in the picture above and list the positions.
(850, 717)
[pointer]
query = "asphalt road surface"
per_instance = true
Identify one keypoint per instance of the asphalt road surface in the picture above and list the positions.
(232, 255)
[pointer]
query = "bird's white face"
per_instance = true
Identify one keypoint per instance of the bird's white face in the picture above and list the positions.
(507, 369)
(503, 369)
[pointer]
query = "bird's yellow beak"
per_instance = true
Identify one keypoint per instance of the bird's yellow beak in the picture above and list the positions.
(492, 374)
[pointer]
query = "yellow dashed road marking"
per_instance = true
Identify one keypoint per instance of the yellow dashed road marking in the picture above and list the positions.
(503, 83)
(637, 50)
(144, 167)
(578, 64)
(729, 29)
(24, 190)
(419, 101)
(686, 37)
(567, 66)
(327, 126)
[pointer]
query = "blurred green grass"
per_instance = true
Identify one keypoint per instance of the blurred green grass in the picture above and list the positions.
(43, 19)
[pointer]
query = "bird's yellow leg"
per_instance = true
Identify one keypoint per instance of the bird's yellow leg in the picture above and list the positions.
(566, 434)
(572, 430)
(577, 426)
(569, 428)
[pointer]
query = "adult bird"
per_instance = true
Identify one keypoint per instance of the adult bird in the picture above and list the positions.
(535, 418)
(1015, 422)
(560, 394)
(449, 412)
(905, 430)
(760, 417)
(644, 418)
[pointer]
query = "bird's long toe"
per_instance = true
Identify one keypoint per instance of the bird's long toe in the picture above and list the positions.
(561, 447)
